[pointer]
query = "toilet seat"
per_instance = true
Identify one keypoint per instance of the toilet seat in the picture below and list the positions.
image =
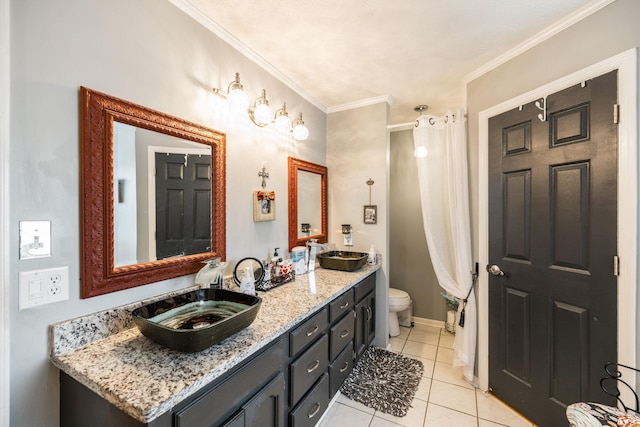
(397, 293)
(398, 300)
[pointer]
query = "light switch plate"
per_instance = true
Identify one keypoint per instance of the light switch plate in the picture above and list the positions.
(35, 239)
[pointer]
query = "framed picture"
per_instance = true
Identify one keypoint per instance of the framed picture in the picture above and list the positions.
(371, 214)
(264, 206)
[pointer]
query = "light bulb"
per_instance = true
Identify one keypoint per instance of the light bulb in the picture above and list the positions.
(238, 100)
(283, 123)
(282, 120)
(236, 96)
(300, 131)
(262, 114)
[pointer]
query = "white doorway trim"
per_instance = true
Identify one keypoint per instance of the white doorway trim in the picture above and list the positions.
(626, 64)
(5, 84)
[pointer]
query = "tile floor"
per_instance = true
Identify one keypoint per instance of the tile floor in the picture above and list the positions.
(442, 399)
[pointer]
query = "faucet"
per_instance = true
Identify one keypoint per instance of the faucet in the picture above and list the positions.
(313, 251)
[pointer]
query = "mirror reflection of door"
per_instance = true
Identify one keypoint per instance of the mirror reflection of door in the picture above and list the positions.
(309, 203)
(183, 204)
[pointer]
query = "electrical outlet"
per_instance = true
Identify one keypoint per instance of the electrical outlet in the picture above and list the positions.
(39, 287)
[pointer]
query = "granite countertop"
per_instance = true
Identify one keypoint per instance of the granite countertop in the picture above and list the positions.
(106, 352)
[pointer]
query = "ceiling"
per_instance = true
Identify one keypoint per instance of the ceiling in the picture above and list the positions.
(415, 51)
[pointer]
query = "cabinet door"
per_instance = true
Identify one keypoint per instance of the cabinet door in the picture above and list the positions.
(365, 323)
(361, 327)
(266, 408)
(370, 316)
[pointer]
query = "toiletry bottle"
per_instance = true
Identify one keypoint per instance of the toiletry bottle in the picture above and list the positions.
(247, 284)
(372, 258)
(275, 262)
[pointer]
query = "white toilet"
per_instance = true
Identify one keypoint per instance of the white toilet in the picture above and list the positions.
(398, 301)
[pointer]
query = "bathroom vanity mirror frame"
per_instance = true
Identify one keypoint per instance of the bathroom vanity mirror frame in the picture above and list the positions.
(98, 112)
(296, 166)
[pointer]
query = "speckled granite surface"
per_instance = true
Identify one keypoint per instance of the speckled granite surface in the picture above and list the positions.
(107, 353)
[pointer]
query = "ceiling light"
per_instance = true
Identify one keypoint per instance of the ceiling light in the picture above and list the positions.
(300, 131)
(420, 152)
(282, 120)
(261, 113)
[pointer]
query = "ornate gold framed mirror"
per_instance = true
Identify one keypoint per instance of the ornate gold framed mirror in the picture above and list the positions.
(153, 202)
(307, 202)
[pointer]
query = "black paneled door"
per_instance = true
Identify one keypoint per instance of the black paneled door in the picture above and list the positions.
(553, 233)
(183, 204)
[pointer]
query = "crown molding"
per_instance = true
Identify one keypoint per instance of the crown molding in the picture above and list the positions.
(215, 28)
(543, 35)
(362, 103)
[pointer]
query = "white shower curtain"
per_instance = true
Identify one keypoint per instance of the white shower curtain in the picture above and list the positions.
(444, 196)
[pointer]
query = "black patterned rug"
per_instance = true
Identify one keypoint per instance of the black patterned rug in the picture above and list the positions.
(384, 381)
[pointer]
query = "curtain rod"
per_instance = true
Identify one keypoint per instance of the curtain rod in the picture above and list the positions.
(402, 126)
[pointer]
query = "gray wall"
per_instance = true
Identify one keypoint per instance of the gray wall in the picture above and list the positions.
(410, 267)
(357, 149)
(610, 31)
(150, 53)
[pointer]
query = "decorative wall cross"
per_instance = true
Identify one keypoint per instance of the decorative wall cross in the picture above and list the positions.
(264, 175)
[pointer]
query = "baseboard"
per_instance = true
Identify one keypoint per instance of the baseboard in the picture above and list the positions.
(428, 322)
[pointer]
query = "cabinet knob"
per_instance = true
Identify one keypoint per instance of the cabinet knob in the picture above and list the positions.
(345, 305)
(312, 331)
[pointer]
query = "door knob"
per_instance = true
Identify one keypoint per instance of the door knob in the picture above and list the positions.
(495, 270)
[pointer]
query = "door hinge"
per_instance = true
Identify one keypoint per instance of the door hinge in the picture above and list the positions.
(616, 113)
(616, 265)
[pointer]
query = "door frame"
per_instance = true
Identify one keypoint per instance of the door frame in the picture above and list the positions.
(626, 64)
(5, 85)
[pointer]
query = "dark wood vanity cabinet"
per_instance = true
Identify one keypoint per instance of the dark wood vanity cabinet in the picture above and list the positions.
(289, 382)
(253, 394)
(365, 310)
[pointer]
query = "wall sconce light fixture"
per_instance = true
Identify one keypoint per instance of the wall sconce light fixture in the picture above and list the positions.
(305, 227)
(346, 234)
(261, 113)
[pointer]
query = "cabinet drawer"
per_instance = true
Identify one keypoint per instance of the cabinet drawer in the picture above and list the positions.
(340, 369)
(341, 334)
(309, 411)
(364, 287)
(340, 306)
(220, 403)
(308, 332)
(308, 368)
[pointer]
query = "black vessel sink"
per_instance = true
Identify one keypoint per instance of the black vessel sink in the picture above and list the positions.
(196, 320)
(342, 260)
